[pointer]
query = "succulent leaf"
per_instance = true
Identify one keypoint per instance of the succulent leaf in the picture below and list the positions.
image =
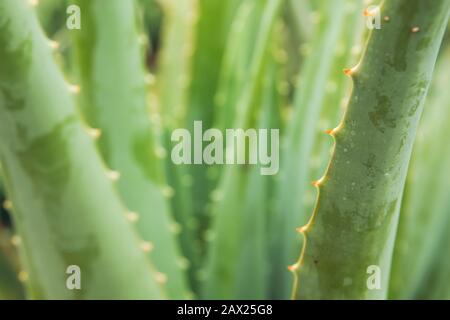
(352, 230)
(65, 207)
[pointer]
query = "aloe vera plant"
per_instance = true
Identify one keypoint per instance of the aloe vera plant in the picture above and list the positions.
(61, 221)
(355, 218)
(312, 104)
(96, 207)
(221, 277)
(115, 104)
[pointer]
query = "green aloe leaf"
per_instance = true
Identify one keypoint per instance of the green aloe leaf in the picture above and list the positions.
(222, 267)
(315, 107)
(426, 202)
(253, 260)
(114, 100)
(188, 29)
(214, 17)
(66, 210)
(350, 237)
(435, 284)
(172, 84)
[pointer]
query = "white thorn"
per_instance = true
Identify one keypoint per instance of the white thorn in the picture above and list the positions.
(160, 152)
(183, 263)
(113, 175)
(7, 205)
(22, 276)
(132, 216)
(94, 132)
(54, 44)
(142, 39)
(167, 191)
(293, 267)
(147, 246)
(149, 78)
(175, 227)
(16, 240)
(73, 88)
(160, 277)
